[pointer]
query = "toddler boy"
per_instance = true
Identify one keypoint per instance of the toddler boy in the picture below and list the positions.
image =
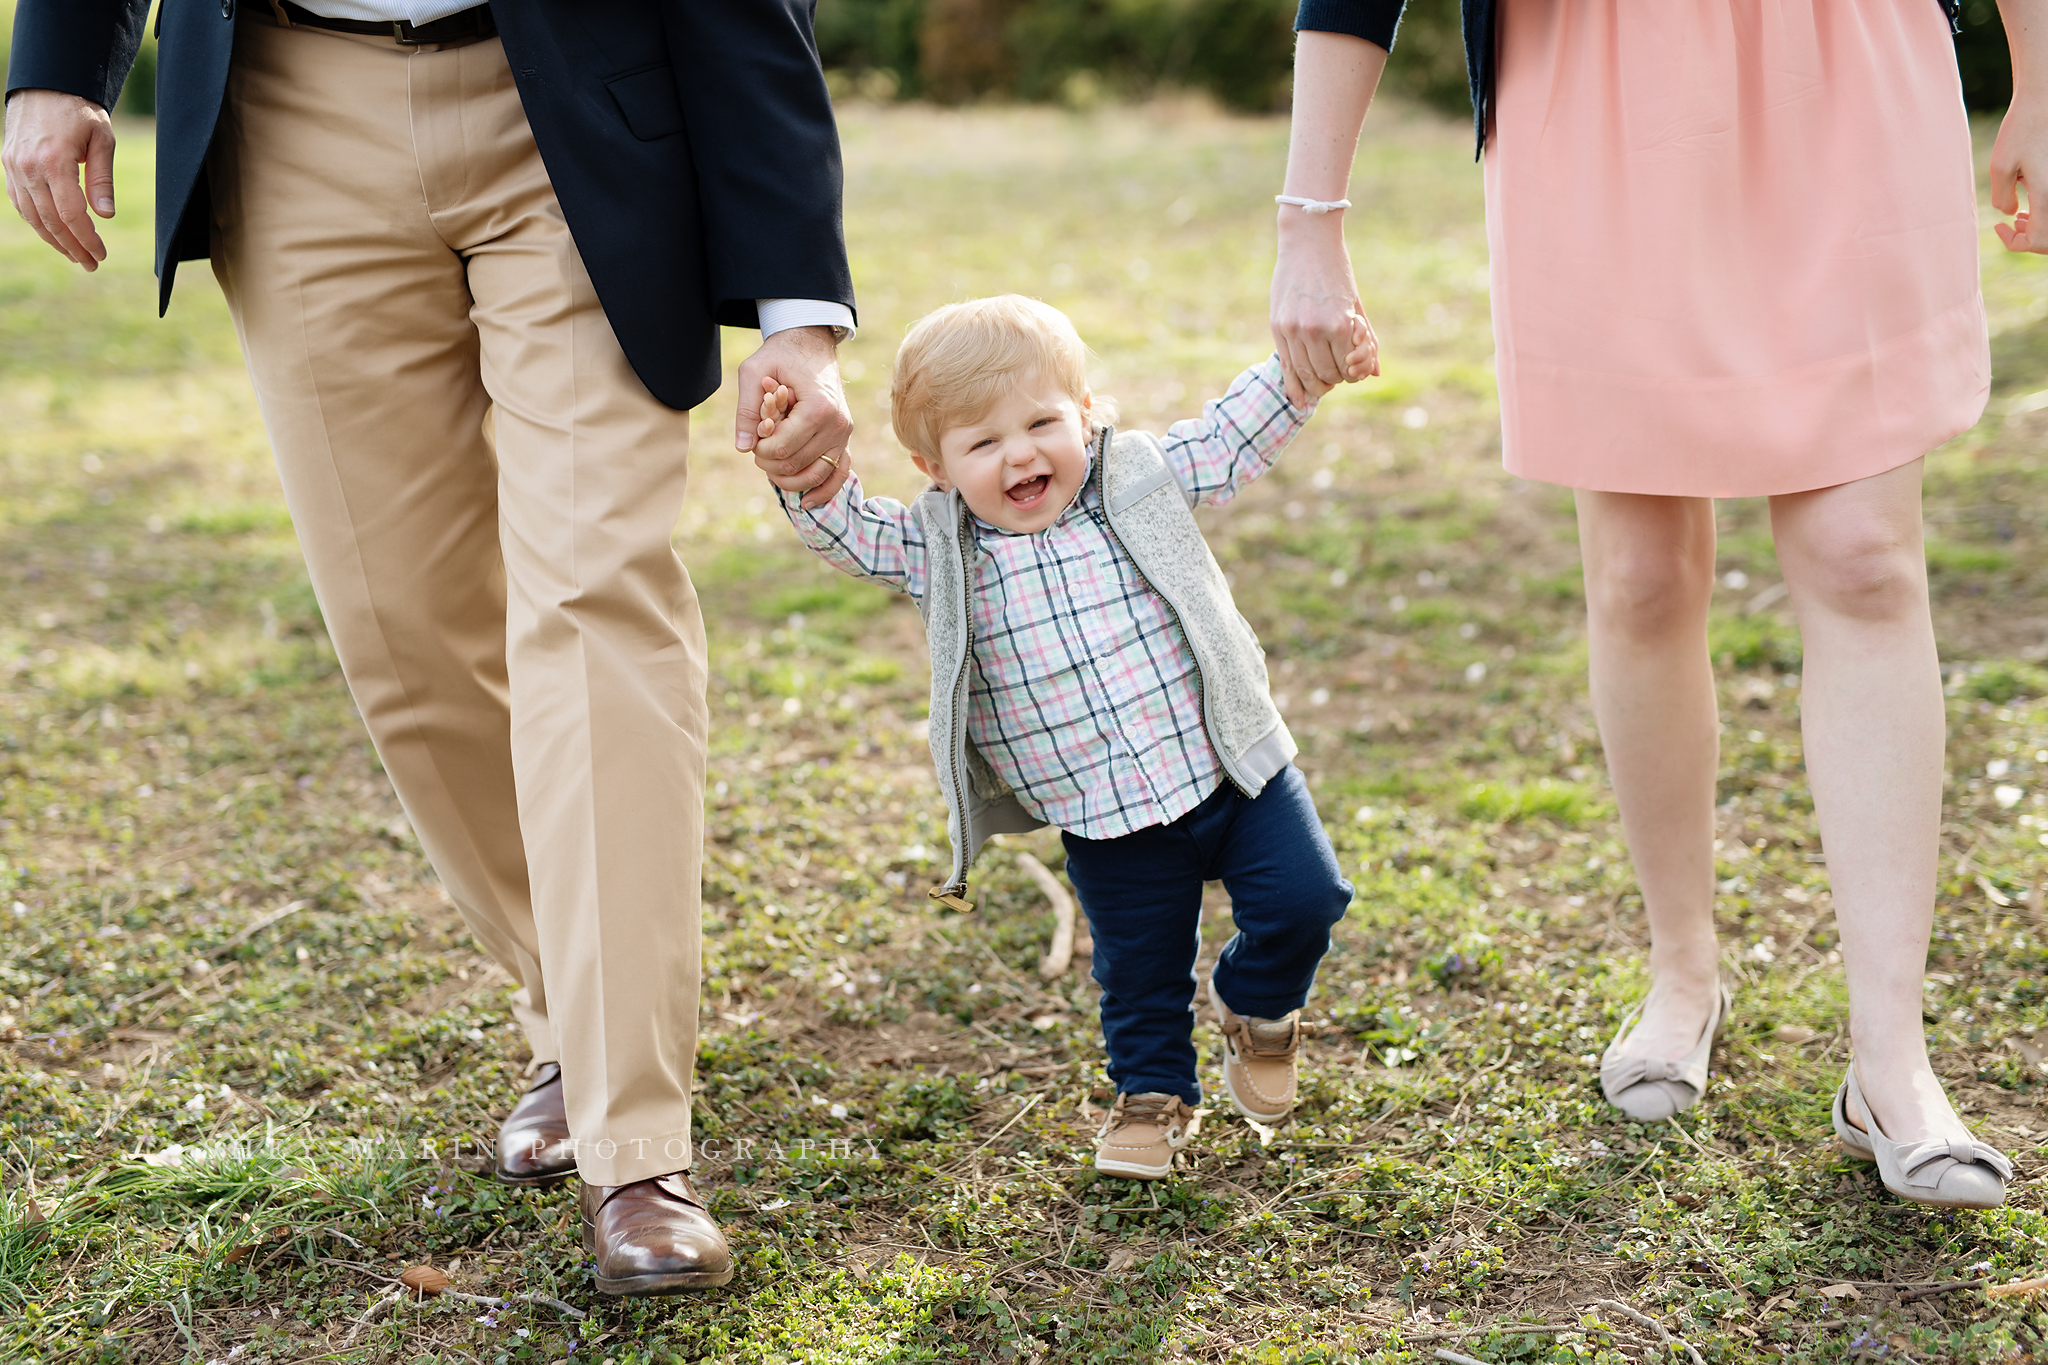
(1090, 671)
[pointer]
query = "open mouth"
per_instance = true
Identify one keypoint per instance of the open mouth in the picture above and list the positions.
(1027, 493)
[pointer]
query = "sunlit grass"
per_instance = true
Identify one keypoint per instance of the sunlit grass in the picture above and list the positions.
(181, 762)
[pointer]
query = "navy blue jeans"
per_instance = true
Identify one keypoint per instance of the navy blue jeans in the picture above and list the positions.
(1142, 893)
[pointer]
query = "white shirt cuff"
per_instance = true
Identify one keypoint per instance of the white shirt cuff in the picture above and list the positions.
(779, 315)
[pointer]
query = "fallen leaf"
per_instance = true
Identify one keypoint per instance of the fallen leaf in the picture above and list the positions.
(423, 1278)
(237, 1254)
(1839, 1291)
(1120, 1259)
(1265, 1133)
(1996, 896)
(1794, 1034)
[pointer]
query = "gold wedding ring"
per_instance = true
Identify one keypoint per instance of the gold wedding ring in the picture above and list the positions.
(829, 460)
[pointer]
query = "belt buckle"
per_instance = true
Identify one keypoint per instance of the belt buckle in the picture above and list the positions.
(403, 32)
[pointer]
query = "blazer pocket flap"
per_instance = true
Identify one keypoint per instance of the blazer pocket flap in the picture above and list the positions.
(647, 98)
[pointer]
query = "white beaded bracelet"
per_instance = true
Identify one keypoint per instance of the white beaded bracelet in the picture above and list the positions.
(1312, 205)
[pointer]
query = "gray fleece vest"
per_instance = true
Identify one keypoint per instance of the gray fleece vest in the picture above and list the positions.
(1153, 519)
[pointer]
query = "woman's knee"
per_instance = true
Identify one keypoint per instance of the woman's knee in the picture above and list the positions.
(1649, 590)
(1869, 572)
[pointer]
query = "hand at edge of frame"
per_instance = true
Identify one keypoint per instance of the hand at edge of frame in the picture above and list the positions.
(50, 134)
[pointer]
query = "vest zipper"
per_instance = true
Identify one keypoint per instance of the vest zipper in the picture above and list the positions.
(950, 894)
(1201, 682)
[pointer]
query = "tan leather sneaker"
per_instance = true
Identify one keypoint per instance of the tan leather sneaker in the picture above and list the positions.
(1141, 1134)
(1258, 1060)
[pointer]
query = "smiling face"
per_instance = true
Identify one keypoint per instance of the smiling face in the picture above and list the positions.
(1019, 464)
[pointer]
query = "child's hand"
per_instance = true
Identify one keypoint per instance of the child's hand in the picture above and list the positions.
(776, 401)
(1363, 361)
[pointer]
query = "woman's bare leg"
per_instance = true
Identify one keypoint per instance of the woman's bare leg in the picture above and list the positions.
(1870, 701)
(1649, 579)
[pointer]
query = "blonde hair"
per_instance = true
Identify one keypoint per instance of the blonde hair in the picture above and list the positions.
(957, 361)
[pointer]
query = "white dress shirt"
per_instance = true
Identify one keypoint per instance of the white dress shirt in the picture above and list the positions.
(387, 11)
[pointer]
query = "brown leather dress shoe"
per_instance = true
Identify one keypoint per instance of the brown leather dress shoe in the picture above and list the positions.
(653, 1237)
(534, 1146)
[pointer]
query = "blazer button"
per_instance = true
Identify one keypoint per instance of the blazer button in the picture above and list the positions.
(227, 9)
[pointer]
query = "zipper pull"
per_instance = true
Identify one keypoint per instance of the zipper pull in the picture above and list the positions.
(944, 896)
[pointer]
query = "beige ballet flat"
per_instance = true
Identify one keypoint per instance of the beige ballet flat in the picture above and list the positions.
(1949, 1175)
(1652, 1089)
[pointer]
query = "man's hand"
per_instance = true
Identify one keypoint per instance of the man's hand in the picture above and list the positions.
(808, 450)
(49, 135)
(1319, 329)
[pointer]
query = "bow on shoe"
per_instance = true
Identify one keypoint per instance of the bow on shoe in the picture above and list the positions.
(1620, 1073)
(1937, 1156)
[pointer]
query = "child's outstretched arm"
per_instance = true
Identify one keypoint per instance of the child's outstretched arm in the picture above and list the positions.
(1238, 436)
(876, 539)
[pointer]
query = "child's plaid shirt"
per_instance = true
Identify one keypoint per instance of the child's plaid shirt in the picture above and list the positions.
(1082, 693)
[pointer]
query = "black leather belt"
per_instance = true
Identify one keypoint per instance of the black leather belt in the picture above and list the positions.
(464, 26)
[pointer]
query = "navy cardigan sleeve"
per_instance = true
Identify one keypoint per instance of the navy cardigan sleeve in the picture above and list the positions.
(1376, 20)
(1372, 20)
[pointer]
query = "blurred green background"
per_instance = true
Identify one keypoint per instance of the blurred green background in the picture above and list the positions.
(1079, 52)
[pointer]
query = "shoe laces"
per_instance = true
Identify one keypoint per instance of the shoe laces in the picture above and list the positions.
(1269, 1039)
(1158, 1109)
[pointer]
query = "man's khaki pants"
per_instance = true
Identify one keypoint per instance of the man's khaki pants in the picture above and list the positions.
(485, 493)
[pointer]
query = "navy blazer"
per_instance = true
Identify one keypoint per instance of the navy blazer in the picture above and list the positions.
(690, 142)
(1376, 21)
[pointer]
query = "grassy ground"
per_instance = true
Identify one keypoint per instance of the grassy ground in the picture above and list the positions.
(250, 1056)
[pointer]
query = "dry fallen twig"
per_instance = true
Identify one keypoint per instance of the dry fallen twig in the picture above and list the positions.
(2016, 1288)
(262, 923)
(377, 1305)
(1663, 1333)
(487, 1300)
(1506, 1329)
(1060, 955)
(1929, 1291)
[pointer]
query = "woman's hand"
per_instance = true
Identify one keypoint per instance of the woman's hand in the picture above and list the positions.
(2021, 152)
(1316, 317)
(1319, 328)
(2020, 156)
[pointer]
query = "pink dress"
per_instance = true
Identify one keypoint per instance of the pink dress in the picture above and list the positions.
(1734, 243)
